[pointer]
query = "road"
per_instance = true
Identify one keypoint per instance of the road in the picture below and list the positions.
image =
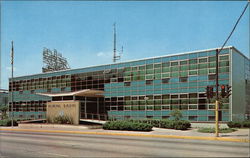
(33, 144)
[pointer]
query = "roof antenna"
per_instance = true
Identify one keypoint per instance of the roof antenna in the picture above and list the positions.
(116, 57)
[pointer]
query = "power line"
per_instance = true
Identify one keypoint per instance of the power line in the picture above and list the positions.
(234, 27)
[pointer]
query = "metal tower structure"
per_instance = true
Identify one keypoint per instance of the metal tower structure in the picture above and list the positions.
(54, 61)
(116, 57)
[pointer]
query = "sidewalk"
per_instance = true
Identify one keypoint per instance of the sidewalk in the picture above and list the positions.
(242, 135)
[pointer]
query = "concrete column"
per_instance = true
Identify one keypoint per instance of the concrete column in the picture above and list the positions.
(85, 107)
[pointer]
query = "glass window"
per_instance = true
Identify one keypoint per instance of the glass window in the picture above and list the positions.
(224, 69)
(202, 66)
(194, 72)
(183, 62)
(183, 68)
(212, 77)
(192, 61)
(142, 67)
(149, 82)
(165, 64)
(175, 68)
(203, 72)
(175, 74)
(175, 63)
(157, 65)
(149, 77)
(192, 67)
(165, 75)
(223, 63)
(126, 84)
(167, 69)
(203, 60)
(212, 70)
(224, 57)
(213, 64)
(183, 73)
(211, 59)
(183, 79)
(151, 66)
(165, 80)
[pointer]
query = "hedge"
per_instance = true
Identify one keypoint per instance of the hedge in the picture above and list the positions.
(169, 124)
(7, 122)
(127, 125)
(239, 124)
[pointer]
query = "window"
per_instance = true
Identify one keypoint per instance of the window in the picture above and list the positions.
(127, 84)
(192, 61)
(32, 91)
(174, 63)
(183, 79)
(183, 62)
(165, 80)
(211, 77)
(20, 92)
(203, 60)
(149, 82)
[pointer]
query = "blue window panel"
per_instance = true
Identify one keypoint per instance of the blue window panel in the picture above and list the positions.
(141, 82)
(157, 60)
(174, 90)
(202, 89)
(157, 113)
(157, 117)
(133, 88)
(200, 84)
(127, 93)
(134, 93)
(141, 88)
(202, 118)
(141, 93)
(193, 55)
(120, 84)
(202, 112)
(150, 61)
(113, 66)
(134, 83)
(176, 85)
(149, 87)
(183, 85)
(225, 118)
(192, 112)
(158, 92)
(192, 90)
(149, 92)
(184, 90)
(193, 78)
(149, 113)
(165, 91)
(165, 85)
(157, 87)
(212, 53)
(182, 57)
(157, 81)
(192, 84)
(202, 54)
(210, 112)
(172, 58)
(138, 113)
(202, 78)
(128, 113)
(165, 59)
(173, 80)
(166, 113)
(224, 51)
(107, 85)
(225, 112)
(225, 82)
(211, 82)
(184, 118)
(184, 112)
(224, 76)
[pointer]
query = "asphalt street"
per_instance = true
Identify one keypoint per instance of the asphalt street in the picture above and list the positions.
(33, 144)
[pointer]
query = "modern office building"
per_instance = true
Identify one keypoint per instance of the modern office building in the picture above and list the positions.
(141, 89)
(3, 97)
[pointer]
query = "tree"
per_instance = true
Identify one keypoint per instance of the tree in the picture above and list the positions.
(3, 110)
(176, 114)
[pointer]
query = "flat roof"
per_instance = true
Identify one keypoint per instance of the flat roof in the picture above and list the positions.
(169, 55)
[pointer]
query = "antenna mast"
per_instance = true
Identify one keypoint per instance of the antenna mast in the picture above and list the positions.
(115, 57)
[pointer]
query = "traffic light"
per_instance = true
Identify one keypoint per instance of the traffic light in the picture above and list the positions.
(228, 91)
(223, 91)
(209, 92)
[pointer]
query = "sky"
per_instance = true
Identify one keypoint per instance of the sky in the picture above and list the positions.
(83, 31)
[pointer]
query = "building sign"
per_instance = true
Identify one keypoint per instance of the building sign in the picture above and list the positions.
(64, 108)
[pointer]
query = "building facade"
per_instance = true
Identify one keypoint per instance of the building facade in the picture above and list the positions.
(3, 97)
(147, 88)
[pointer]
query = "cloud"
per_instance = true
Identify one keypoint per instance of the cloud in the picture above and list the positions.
(9, 68)
(104, 54)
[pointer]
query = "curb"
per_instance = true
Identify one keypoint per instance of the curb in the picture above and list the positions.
(136, 135)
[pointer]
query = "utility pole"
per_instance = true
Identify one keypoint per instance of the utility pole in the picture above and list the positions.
(217, 96)
(12, 63)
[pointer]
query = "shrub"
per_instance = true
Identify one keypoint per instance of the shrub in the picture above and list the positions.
(176, 114)
(246, 124)
(127, 125)
(234, 124)
(7, 122)
(61, 120)
(212, 130)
